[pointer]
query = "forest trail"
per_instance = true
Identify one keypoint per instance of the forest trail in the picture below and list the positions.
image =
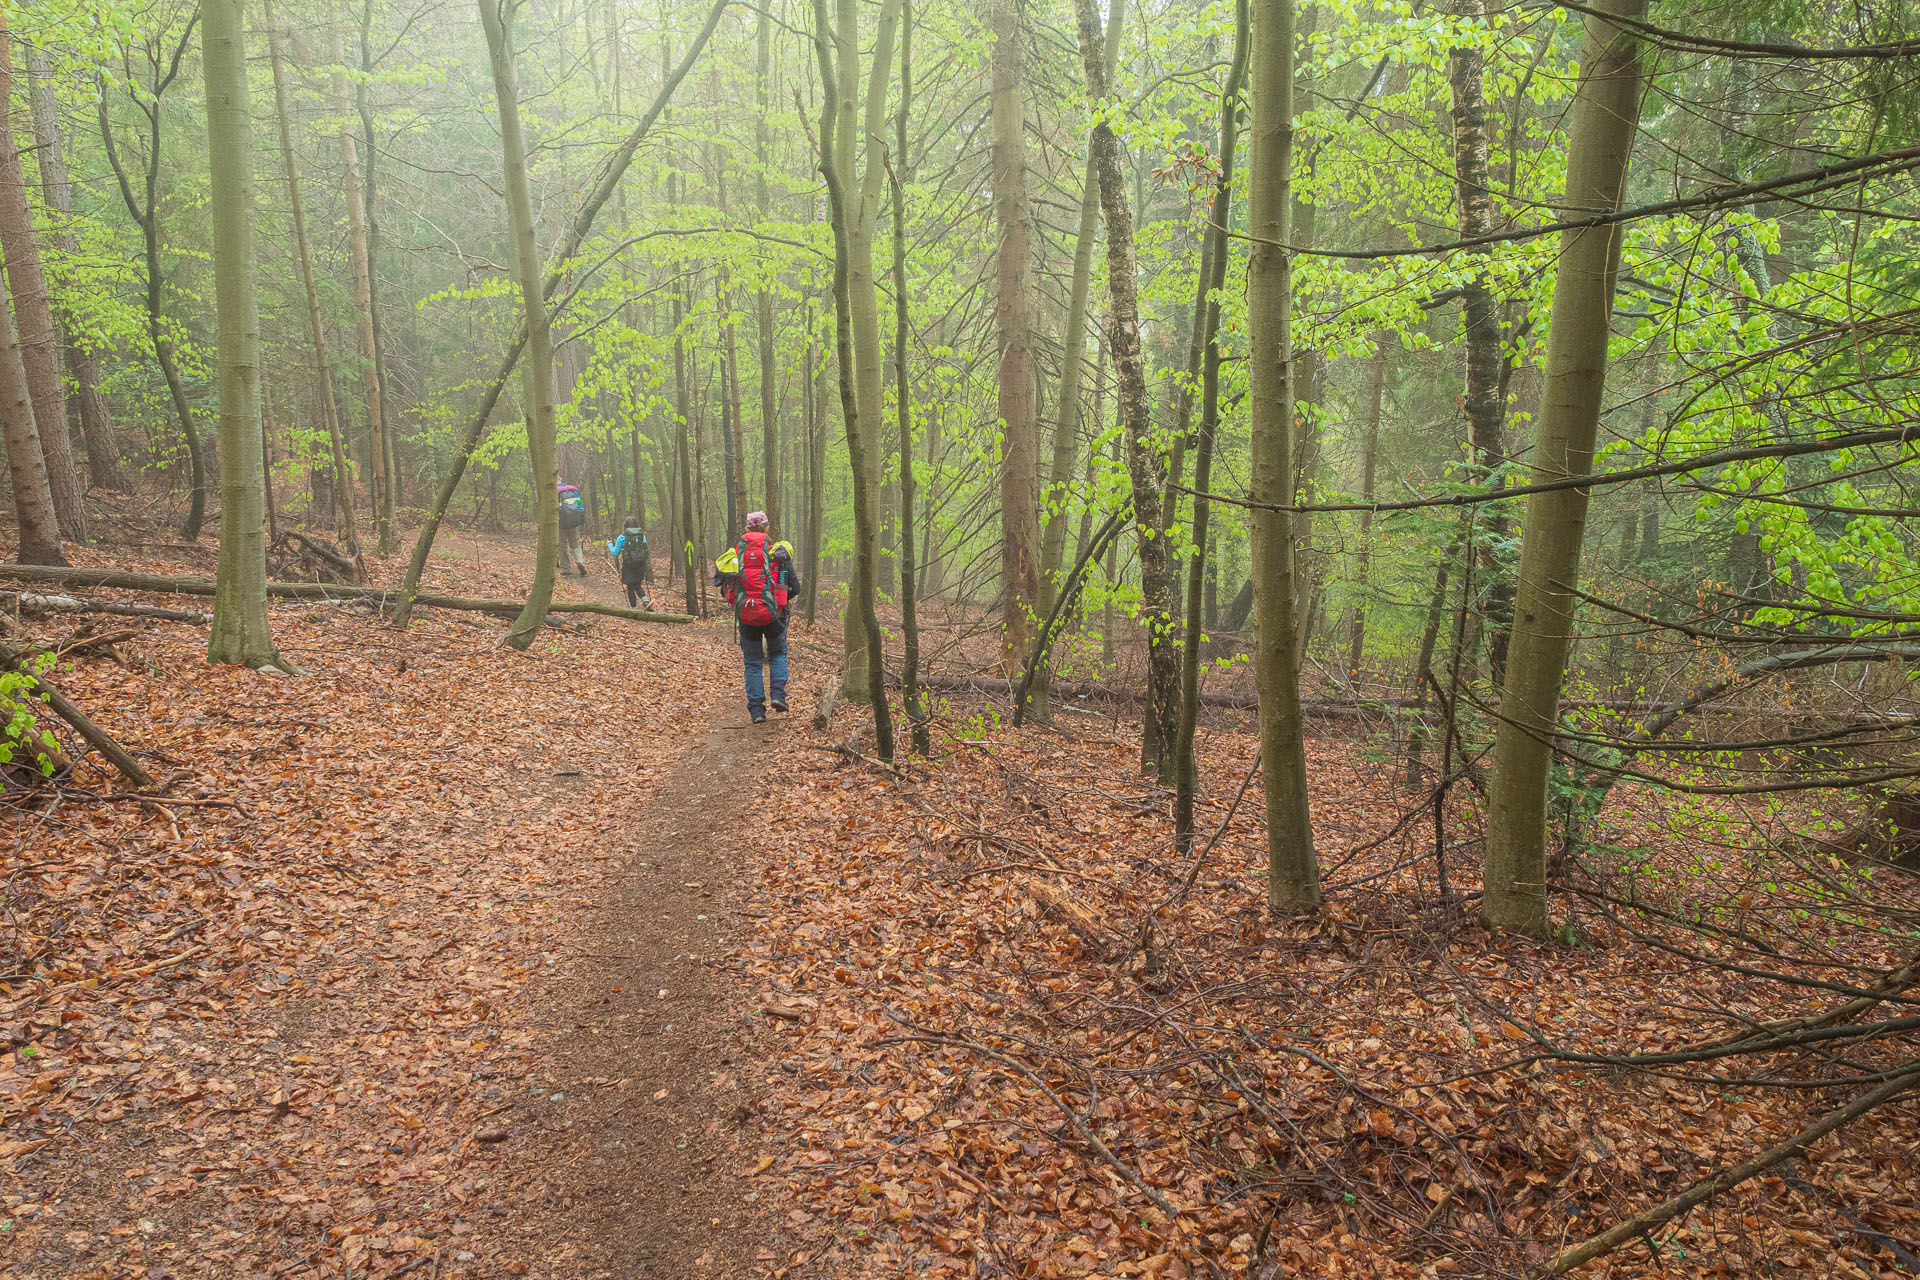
(632, 1140)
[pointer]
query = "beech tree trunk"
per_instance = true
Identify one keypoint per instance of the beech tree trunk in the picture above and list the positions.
(538, 366)
(1606, 112)
(863, 305)
(1484, 399)
(1213, 257)
(1370, 456)
(1020, 598)
(860, 430)
(344, 522)
(920, 740)
(33, 318)
(103, 452)
(363, 301)
(1293, 873)
(239, 633)
(26, 469)
(769, 399)
(1146, 469)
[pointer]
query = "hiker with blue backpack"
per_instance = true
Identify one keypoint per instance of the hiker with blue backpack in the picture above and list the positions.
(629, 553)
(573, 516)
(757, 577)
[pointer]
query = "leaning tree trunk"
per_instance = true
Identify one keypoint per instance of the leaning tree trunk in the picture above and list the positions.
(39, 341)
(1146, 469)
(1606, 111)
(344, 524)
(96, 428)
(239, 633)
(538, 366)
(1020, 597)
(1293, 874)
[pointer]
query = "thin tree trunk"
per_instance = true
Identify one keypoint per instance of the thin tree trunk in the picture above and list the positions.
(863, 304)
(39, 341)
(96, 428)
(1293, 873)
(769, 400)
(539, 324)
(689, 515)
(1213, 256)
(239, 633)
(1370, 456)
(377, 450)
(816, 473)
(1145, 467)
(1606, 112)
(860, 429)
(920, 740)
(1484, 400)
(144, 209)
(344, 523)
(1020, 597)
(370, 211)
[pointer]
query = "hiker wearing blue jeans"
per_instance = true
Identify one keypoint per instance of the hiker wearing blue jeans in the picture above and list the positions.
(758, 579)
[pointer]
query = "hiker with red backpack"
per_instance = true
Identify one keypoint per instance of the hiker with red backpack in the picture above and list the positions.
(758, 579)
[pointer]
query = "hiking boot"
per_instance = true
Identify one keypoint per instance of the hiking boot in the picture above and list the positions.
(780, 705)
(759, 717)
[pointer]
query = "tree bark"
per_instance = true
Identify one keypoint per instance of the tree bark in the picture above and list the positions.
(1146, 469)
(1606, 111)
(538, 370)
(240, 633)
(1020, 598)
(769, 400)
(1370, 456)
(863, 306)
(1293, 873)
(1484, 400)
(344, 522)
(363, 302)
(859, 429)
(96, 428)
(26, 469)
(1213, 257)
(33, 316)
(920, 741)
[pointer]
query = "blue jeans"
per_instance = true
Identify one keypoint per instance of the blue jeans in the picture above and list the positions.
(774, 638)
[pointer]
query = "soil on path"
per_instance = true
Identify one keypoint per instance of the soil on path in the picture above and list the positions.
(628, 1152)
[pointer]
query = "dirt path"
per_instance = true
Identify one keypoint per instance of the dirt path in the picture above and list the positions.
(629, 1149)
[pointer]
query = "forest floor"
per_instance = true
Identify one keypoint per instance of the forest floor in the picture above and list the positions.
(445, 960)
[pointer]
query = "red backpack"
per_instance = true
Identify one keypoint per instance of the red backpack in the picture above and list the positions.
(760, 597)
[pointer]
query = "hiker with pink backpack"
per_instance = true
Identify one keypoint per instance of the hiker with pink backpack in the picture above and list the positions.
(759, 580)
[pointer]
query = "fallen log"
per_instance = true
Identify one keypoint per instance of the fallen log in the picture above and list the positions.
(167, 584)
(94, 736)
(31, 604)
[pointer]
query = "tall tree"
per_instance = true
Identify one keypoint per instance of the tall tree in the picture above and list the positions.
(1369, 469)
(162, 69)
(1146, 468)
(1020, 598)
(239, 633)
(1213, 258)
(83, 366)
(1293, 874)
(861, 202)
(769, 396)
(378, 450)
(344, 522)
(1606, 114)
(26, 469)
(496, 18)
(39, 340)
(920, 740)
(861, 430)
